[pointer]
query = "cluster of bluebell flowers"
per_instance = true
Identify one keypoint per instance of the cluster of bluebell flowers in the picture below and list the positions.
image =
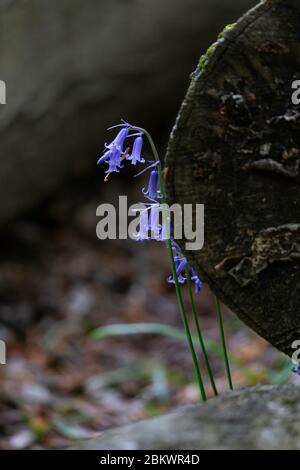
(124, 148)
(115, 152)
(120, 150)
(181, 265)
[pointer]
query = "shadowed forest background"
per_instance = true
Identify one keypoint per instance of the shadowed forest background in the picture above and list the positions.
(72, 69)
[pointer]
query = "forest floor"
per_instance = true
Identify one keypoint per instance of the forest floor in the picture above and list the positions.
(58, 283)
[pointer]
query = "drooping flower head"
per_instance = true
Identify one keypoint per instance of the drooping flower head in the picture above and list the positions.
(143, 233)
(180, 265)
(196, 280)
(114, 151)
(153, 191)
(117, 151)
(135, 155)
(113, 157)
(119, 140)
(155, 226)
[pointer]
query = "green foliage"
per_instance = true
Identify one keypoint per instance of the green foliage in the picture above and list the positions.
(277, 375)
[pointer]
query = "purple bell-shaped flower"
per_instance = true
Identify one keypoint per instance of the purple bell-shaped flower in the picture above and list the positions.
(153, 191)
(135, 156)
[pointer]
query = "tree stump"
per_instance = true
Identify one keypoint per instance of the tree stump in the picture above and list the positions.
(235, 148)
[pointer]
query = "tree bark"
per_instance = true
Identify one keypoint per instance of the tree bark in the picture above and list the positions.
(73, 67)
(235, 148)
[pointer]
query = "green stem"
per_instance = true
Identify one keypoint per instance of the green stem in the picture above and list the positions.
(202, 393)
(221, 326)
(200, 337)
(186, 324)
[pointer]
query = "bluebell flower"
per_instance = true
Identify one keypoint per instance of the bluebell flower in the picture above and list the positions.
(114, 151)
(153, 191)
(113, 156)
(155, 226)
(196, 280)
(135, 155)
(296, 369)
(143, 233)
(180, 266)
(119, 140)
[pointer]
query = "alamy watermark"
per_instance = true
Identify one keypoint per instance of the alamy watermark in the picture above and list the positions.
(2, 343)
(2, 352)
(2, 92)
(296, 94)
(152, 222)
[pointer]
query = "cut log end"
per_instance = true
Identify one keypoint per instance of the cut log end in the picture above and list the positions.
(235, 149)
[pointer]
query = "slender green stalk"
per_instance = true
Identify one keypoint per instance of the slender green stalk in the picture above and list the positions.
(186, 324)
(221, 326)
(183, 313)
(200, 336)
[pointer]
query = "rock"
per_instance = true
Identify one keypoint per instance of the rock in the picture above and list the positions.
(264, 417)
(74, 67)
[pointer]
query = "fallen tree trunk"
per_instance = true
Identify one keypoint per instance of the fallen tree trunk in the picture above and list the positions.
(235, 148)
(73, 67)
(262, 418)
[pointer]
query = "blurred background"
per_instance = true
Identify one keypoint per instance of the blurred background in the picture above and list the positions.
(72, 68)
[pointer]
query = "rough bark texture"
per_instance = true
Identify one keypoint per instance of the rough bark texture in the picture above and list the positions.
(73, 67)
(264, 417)
(235, 148)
